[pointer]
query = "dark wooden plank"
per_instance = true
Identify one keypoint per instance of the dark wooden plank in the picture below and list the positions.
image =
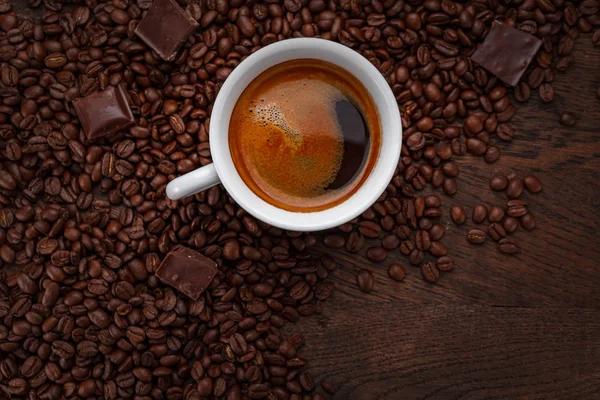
(371, 350)
(558, 264)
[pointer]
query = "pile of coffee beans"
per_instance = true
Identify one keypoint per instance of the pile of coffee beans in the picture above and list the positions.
(84, 225)
(503, 220)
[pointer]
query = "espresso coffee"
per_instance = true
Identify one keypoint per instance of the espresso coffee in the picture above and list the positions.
(305, 135)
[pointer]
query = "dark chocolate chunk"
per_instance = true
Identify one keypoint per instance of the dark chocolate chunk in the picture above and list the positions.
(187, 271)
(506, 52)
(165, 27)
(104, 113)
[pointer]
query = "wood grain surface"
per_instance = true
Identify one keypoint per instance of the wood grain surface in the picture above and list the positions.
(521, 327)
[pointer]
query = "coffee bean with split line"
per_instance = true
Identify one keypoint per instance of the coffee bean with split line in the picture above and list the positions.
(508, 246)
(476, 236)
(430, 272)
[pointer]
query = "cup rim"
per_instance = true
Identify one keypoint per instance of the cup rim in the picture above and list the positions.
(370, 190)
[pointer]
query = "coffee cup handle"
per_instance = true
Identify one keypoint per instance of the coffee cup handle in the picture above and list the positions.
(193, 182)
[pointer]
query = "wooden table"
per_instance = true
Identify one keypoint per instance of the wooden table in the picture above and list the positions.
(524, 326)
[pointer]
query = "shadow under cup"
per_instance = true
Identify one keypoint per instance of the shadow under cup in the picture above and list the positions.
(305, 135)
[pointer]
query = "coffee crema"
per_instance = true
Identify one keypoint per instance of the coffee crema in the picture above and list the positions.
(305, 135)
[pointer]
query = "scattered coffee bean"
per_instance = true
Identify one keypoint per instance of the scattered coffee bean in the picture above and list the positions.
(528, 222)
(514, 188)
(567, 119)
(458, 215)
(334, 241)
(517, 208)
(505, 132)
(449, 186)
(510, 224)
(480, 213)
(327, 387)
(546, 93)
(365, 280)
(498, 183)
(492, 154)
(376, 254)
(508, 246)
(496, 231)
(437, 232)
(476, 147)
(430, 272)
(532, 184)
(476, 236)
(445, 263)
(437, 249)
(496, 214)
(396, 272)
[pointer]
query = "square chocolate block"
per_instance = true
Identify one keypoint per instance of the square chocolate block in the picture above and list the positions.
(187, 271)
(104, 113)
(165, 27)
(506, 52)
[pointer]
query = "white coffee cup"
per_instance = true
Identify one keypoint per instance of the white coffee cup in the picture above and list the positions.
(222, 170)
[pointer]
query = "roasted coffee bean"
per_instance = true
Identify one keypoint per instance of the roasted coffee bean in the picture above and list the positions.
(449, 187)
(514, 188)
(476, 236)
(475, 146)
(492, 154)
(508, 246)
(532, 184)
(450, 169)
(499, 183)
(422, 240)
(396, 272)
(430, 272)
(510, 224)
(567, 119)
(496, 214)
(546, 93)
(376, 254)
(390, 242)
(445, 263)
(496, 231)
(522, 92)
(480, 213)
(365, 280)
(437, 249)
(334, 241)
(355, 242)
(505, 132)
(369, 229)
(528, 222)
(436, 232)
(517, 208)
(458, 215)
